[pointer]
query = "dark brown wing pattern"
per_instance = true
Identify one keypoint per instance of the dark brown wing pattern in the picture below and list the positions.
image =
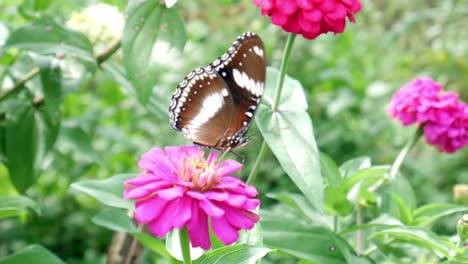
(214, 106)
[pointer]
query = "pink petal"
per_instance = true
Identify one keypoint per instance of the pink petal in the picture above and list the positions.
(305, 4)
(176, 215)
(210, 208)
(338, 13)
(141, 179)
(171, 193)
(148, 210)
(197, 228)
(229, 166)
(327, 6)
(278, 18)
(219, 196)
(292, 25)
(286, 7)
(241, 219)
(212, 157)
(155, 160)
(224, 231)
(196, 195)
(140, 192)
(314, 16)
(307, 25)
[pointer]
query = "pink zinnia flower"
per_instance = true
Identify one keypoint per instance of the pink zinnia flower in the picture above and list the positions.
(183, 189)
(412, 101)
(450, 131)
(443, 116)
(310, 18)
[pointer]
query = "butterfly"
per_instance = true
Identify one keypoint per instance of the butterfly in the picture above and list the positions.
(214, 106)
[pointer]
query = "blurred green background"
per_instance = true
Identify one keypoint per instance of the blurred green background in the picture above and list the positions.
(348, 78)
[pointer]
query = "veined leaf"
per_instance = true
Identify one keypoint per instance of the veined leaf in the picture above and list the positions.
(151, 30)
(289, 134)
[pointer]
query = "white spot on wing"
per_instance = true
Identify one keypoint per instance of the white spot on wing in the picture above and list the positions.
(239, 78)
(258, 51)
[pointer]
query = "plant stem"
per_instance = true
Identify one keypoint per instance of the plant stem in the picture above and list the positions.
(283, 69)
(279, 88)
(399, 160)
(100, 58)
(336, 224)
(359, 233)
(20, 83)
(260, 157)
(107, 53)
(185, 246)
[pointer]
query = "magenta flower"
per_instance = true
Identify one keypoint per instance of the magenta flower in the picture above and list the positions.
(450, 131)
(411, 103)
(310, 18)
(443, 116)
(183, 189)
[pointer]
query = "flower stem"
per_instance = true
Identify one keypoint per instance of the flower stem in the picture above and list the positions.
(283, 69)
(279, 89)
(260, 157)
(399, 160)
(336, 224)
(359, 234)
(185, 246)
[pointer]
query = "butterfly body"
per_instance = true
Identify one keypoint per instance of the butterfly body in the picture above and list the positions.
(214, 106)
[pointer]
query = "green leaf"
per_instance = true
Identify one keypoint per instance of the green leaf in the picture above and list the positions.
(32, 254)
(304, 241)
(252, 237)
(351, 166)
(290, 136)
(75, 139)
(382, 222)
(236, 254)
(45, 36)
(330, 170)
(25, 144)
(405, 214)
(420, 237)
(359, 181)
(336, 201)
(114, 219)
(51, 81)
(150, 29)
(116, 72)
(302, 206)
(426, 215)
(117, 220)
(108, 191)
(16, 205)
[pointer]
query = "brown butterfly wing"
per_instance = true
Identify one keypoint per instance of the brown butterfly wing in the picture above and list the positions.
(243, 67)
(203, 100)
(214, 106)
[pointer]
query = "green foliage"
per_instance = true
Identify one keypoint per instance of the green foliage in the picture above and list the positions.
(242, 254)
(32, 254)
(149, 24)
(289, 134)
(70, 117)
(16, 205)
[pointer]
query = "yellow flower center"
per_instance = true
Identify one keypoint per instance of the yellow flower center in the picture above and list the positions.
(201, 173)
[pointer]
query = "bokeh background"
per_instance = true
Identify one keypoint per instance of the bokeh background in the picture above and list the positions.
(348, 78)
